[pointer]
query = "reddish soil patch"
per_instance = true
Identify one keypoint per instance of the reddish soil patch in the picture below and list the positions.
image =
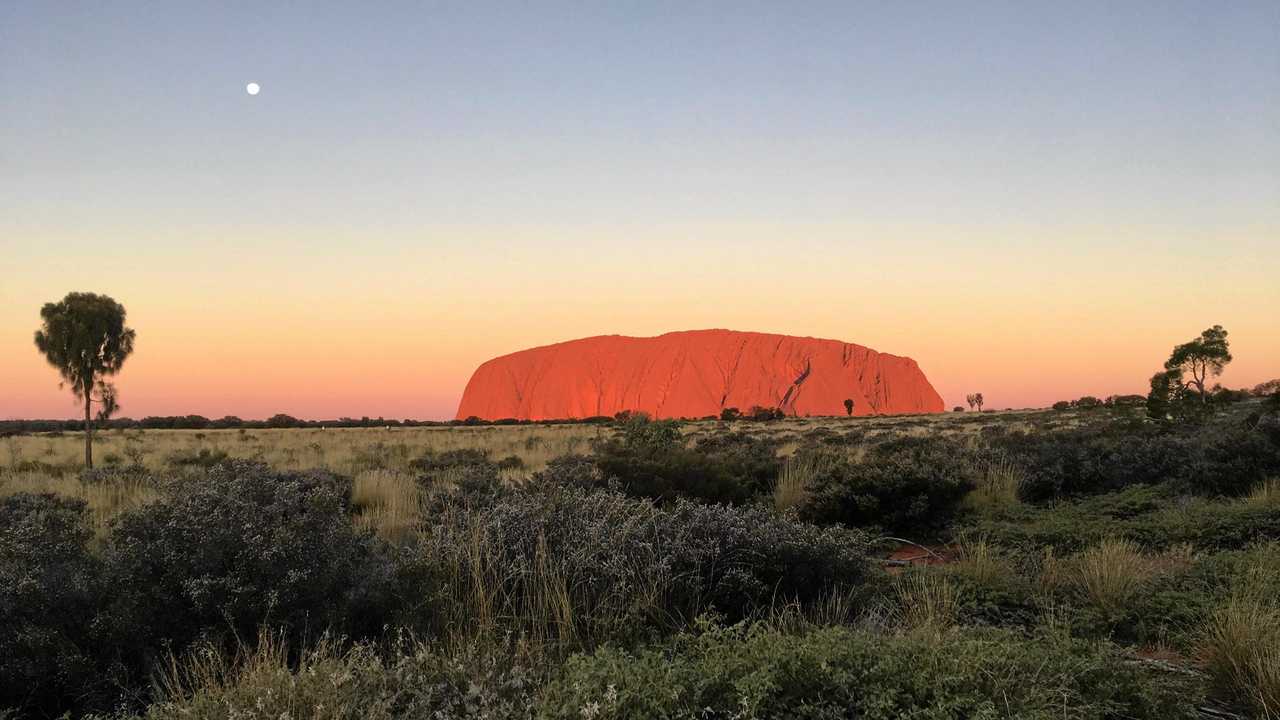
(908, 555)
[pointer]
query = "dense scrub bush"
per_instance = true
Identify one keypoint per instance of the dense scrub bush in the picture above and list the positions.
(433, 461)
(578, 471)
(841, 673)
(910, 485)
(202, 458)
(649, 459)
(1154, 517)
(1220, 459)
(753, 461)
(587, 565)
(241, 546)
(117, 475)
(1092, 460)
(50, 587)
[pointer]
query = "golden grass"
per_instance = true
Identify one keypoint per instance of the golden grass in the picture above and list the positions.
(978, 559)
(998, 486)
(1241, 650)
(1112, 573)
(388, 502)
(1266, 493)
(794, 480)
(925, 602)
(105, 500)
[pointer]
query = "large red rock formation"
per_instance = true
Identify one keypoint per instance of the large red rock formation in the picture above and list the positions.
(695, 374)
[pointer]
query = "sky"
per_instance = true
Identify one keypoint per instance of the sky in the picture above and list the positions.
(1034, 200)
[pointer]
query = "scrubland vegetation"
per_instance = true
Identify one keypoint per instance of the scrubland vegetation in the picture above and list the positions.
(1088, 562)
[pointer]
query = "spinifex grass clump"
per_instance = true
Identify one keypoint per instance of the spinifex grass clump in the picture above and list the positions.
(1241, 648)
(1112, 572)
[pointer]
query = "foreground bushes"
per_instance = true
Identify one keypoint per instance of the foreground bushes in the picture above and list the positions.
(354, 683)
(737, 672)
(221, 553)
(754, 672)
(242, 545)
(50, 587)
(580, 566)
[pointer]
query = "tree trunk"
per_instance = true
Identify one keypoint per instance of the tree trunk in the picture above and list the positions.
(88, 433)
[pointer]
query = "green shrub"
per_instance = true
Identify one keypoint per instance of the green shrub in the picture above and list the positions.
(752, 461)
(907, 486)
(355, 683)
(583, 566)
(239, 547)
(755, 672)
(664, 473)
(50, 591)
(1154, 517)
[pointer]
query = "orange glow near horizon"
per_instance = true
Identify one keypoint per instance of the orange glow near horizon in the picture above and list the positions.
(397, 332)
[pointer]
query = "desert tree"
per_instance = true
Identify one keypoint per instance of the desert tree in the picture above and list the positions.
(85, 338)
(1201, 358)
(974, 400)
(848, 407)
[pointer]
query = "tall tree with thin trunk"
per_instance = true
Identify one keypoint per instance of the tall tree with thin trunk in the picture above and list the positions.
(85, 338)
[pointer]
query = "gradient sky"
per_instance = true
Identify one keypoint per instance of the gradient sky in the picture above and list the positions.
(1033, 200)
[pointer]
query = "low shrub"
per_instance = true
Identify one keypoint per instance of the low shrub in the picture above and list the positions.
(666, 472)
(755, 672)
(1222, 458)
(50, 590)
(577, 566)
(202, 458)
(906, 486)
(240, 546)
(355, 683)
(1154, 517)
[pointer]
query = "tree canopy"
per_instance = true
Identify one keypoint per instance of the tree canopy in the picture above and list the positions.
(1204, 357)
(84, 336)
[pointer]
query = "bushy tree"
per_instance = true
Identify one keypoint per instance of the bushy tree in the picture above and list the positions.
(1204, 357)
(848, 407)
(85, 338)
(975, 400)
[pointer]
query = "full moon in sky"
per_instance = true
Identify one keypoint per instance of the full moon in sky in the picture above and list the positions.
(252, 88)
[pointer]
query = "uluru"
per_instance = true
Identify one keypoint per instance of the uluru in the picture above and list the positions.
(695, 373)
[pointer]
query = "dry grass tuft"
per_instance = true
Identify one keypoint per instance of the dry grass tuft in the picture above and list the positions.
(978, 559)
(1112, 572)
(1241, 649)
(1267, 493)
(388, 502)
(998, 486)
(926, 602)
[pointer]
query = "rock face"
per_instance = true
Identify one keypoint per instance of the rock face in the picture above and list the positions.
(695, 374)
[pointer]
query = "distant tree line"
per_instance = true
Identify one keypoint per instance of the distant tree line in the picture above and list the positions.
(231, 422)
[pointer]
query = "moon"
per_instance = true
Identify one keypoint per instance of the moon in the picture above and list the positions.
(252, 88)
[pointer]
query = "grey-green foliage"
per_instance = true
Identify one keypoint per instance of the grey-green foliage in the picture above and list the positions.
(85, 337)
(837, 673)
